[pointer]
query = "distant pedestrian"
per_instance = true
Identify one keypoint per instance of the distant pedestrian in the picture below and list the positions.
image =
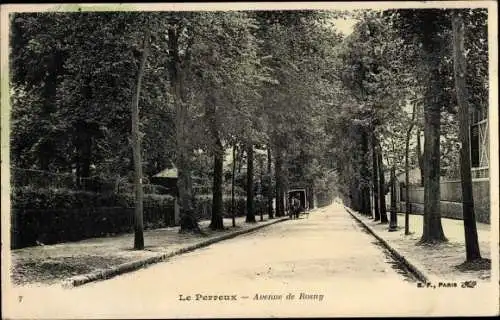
(295, 207)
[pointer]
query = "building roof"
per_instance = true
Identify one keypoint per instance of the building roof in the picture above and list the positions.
(167, 173)
(414, 176)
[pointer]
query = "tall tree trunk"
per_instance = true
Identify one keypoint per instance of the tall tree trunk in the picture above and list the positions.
(311, 196)
(393, 224)
(407, 183)
(250, 195)
(280, 207)
(136, 147)
(356, 191)
(233, 206)
(383, 209)
(216, 222)
(375, 178)
(188, 222)
(459, 68)
(407, 171)
(269, 188)
(420, 158)
(432, 229)
(365, 187)
(355, 184)
(261, 177)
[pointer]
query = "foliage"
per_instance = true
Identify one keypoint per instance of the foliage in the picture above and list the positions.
(284, 80)
(56, 215)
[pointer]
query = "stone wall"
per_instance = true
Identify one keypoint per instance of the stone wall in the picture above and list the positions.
(451, 198)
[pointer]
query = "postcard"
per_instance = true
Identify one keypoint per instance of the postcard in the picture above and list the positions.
(249, 159)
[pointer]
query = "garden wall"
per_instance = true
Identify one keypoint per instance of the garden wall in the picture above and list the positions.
(451, 199)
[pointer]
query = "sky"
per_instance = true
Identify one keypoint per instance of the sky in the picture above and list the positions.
(345, 25)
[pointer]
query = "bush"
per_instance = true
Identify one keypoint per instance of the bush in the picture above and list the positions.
(57, 215)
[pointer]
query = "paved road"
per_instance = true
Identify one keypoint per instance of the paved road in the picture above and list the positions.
(327, 262)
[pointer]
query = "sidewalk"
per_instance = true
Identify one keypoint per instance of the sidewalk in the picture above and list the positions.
(99, 258)
(438, 262)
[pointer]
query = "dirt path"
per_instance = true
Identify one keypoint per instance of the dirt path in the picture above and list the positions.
(329, 265)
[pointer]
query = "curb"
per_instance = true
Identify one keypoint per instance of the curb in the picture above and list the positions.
(412, 266)
(138, 264)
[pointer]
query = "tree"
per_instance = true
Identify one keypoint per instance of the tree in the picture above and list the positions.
(83, 115)
(375, 171)
(216, 222)
(383, 208)
(373, 72)
(226, 73)
(460, 71)
(269, 193)
(297, 49)
(278, 165)
(365, 188)
(432, 229)
(233, 206)
(136, 146)
(407, 171)
(250, 186)
(428, 28)
(393, 223)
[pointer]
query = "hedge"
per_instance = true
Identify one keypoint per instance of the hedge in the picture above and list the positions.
(52, 216)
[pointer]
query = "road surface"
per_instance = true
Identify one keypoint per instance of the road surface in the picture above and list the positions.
(323, 265)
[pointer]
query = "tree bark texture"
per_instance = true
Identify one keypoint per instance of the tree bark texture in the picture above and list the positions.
(261, 179)
(407, 172)
(432, 229)
(383, 209)
(459, 70)
(280, 208)
(188, 220)
(269, 189)
(365, 173)
(375, 179)
(136, 148)
(233, 206)
(432, 48)
(216, 221)
(311, 196)
(250, 192)
(393, 223)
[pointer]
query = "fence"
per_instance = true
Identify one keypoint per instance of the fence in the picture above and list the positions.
(451, 199)
(50, 226)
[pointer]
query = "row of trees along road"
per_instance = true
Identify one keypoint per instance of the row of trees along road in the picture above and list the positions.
(332, 113)
(112, 94)
(406, 70)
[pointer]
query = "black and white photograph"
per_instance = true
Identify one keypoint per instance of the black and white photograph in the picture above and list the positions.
(249, 160)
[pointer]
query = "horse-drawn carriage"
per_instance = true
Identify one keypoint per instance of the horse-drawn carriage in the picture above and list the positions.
(297, 202)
